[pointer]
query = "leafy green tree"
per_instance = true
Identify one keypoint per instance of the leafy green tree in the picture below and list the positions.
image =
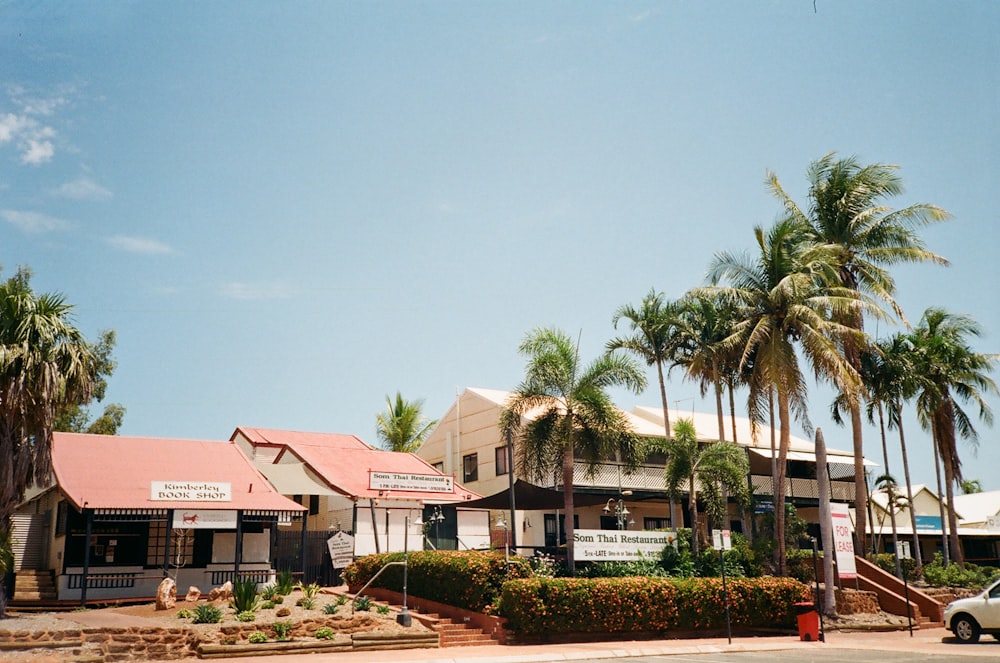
(787, 293)
(75, 417)
(402, 427)
(716, 468)
(970, 486)
(45, 365)
(951, 373)
(847, 212)
(561, 411)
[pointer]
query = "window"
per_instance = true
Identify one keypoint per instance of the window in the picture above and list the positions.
(656, 523)
(501, 457)
(313, 505)
(470, 468)
(550, 529)
(439, 466)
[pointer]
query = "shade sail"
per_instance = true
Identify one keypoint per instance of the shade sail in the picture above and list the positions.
(529, 497)
(293, 479)
(831, 457)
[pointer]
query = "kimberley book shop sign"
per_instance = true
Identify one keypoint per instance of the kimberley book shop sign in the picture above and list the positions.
(427, 483)
(191, 491)
(599, 545)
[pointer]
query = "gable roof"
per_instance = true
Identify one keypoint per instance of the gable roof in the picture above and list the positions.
(978, 507)
(345, 462)
(116, 472)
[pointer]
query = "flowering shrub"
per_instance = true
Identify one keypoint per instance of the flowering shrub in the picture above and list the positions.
(641, 604)
(464, 579)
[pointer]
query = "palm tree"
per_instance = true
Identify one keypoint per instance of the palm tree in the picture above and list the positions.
(45, 364)
(950, 373)
(847, 212)
(787, 294)
(894, 502)
(970, 486)
(561, 411)
(717, 468)
(402, 426)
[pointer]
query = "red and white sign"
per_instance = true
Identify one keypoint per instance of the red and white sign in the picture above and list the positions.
(843, 540)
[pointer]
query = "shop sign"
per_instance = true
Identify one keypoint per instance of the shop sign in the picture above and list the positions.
(204, 519)
(341, 547)
(425, 483)
(599, 545)
(191, 491)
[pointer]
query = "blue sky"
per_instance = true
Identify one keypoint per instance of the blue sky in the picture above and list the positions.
(288, 211)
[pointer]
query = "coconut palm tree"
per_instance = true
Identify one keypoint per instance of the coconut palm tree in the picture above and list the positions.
(787, 293)
(951, 373)
(894, 503)
(45, 364)
(847, 211)
(561, 411)
(402, 427)
(717, 468)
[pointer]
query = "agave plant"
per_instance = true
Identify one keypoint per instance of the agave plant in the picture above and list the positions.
(245, 597)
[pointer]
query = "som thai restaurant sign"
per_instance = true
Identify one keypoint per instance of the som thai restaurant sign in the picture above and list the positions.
(191, 491)
(426, 483)
(599, 545)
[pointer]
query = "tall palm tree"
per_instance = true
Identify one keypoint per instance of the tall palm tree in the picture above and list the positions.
(787, 293)
(402, 426)
(717, 468)
(951, 373)
(561, 411)
(45, 364)
(847, 211)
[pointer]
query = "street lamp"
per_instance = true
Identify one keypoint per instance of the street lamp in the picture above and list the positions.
(437, 518)
(506, 531)
(404, 618)
(620, 510)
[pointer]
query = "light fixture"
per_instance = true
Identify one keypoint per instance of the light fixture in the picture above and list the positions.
(621, 512)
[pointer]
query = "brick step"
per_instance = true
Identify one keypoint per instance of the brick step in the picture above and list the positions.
(468, 641)
(452, 627)
(34, 596)
(34, 583)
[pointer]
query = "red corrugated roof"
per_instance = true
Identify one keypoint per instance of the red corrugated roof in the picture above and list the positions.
(115, 472)
(345, 462)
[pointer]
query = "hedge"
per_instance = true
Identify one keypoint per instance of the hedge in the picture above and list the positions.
(641, 604)
(464, 579)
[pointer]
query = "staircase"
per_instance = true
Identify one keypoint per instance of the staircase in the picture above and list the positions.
(453, 634)
(30, 585)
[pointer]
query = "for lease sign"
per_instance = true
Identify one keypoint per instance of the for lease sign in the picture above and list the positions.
(191, 491)
(843, 541)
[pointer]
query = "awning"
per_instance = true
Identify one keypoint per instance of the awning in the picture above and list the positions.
(832, 457)
(294, 479)
(529, 497)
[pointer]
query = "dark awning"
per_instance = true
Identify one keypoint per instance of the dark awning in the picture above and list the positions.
(529, 497)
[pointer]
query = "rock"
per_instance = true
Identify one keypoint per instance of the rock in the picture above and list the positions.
(193, 594)
(223, 593)
(166, 594)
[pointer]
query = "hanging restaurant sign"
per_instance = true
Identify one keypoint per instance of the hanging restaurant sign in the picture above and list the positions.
(191, 491)
(428, 483)
(203, 519)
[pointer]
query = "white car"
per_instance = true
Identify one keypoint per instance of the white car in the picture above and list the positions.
(968, 618)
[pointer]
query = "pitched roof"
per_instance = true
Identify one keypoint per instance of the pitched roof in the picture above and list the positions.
(345, 462)
(977, 507)
(116, 472)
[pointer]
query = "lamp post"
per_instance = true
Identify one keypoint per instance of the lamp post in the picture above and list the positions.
(437, 518)
(404, 618)
(506, 531)
(620, 510)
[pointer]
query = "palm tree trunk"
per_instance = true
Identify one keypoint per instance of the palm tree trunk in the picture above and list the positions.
(944, 522)
(666, 426)
(860, 485)
(567, 472)
(732, 411)
(890, 493)
(693, 508)
(718, 402)
(779, 497)
(917, 556)
(944, 420)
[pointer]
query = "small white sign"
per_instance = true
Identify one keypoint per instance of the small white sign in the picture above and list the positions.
(843, 541)
(341, 547)
(599, 545)
(424, 483)
(722, 539)
(204, 519)
(190, 491)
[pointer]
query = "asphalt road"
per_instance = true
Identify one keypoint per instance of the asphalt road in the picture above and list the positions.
(990, 652)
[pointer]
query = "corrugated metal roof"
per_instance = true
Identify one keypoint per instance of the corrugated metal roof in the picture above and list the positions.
(116, 472)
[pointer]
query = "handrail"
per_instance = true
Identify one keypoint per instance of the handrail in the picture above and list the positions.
(362, 590)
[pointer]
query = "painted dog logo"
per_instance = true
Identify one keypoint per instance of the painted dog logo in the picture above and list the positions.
(189, 519)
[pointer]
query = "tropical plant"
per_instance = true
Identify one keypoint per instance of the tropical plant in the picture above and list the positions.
(786, 294)
(382, 609)
(257, 637)
(894, 503)
(363, 603)
(308, 591)
(712, 467)
(306, 603)
(207, 614)
(561, 410)
(245, 598)
(950, 373)
(970, 486)
(282, 630)
(284, 583)
(847, 212)
(45, 365)
(325, 633)
(330, 608)
(401, 427)
(246, 616)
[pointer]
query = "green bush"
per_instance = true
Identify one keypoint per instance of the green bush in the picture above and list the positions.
(281, 630)
(306, 603)
(267, 605)
(636, 604)
(207, 614)
(284, 583)
(620, 569)
(382, 610)
(257, 637)
(246, 616)
(325, 633)
(269, 592)
(972, 576)
(308, 591)
(363, 603)
(468, 579)
(184, 613)
(331, 608)
(800, 564)
(887, 562)
(245, 597)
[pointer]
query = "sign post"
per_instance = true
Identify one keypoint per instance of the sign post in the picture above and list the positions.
(843, 542)
(723, 541)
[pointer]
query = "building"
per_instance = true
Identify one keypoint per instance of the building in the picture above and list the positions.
(467, 442)
(124, 512)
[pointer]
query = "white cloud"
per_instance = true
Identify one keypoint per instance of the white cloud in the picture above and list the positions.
(32, 222)
(34, 152)
(139, 245)
(83, 188)
(33, 139)
(249, 291)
